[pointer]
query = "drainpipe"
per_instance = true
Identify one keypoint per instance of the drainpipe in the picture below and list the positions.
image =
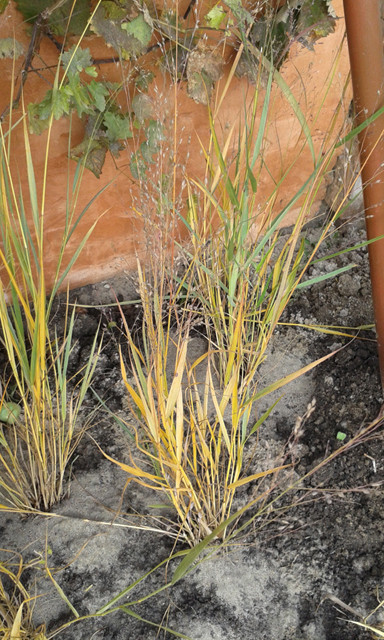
(365, 44)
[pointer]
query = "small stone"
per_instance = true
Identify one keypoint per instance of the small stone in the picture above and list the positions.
(349, 285)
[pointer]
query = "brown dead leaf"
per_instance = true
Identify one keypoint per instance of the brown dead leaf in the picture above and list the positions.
(204, 69)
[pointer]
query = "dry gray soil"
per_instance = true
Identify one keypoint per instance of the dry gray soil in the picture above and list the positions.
(281, 580)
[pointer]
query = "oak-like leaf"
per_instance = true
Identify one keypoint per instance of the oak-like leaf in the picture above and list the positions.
(110, 22)
(76, 59)
(118, 127)
(139, 29)
(99, 93)
(314, 21)
(91, 153)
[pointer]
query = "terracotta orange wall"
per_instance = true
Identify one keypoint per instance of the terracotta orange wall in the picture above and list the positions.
(125, 209)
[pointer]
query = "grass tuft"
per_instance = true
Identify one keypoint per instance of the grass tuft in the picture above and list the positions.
(40, 402)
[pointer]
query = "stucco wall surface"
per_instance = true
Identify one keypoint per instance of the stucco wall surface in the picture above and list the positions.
(127, 212)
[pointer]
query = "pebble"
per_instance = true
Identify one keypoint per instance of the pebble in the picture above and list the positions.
(349, 285)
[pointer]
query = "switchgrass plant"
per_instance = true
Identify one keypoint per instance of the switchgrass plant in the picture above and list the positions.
(243, 270)
(40, 435)
(196, 437)
(193, 437)
(16, 604)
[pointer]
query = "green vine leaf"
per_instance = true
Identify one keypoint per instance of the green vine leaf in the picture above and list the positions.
(314, 21)
(76, 59)
(129, 39)
(31, 9)
(10, 48)
(92, 150)
(99, 93)
(118, 127)
(127, 26)
(60, 103)
(215, 17)
(139, 29)
(118, 10)
(103, 128)
(80, 97)
(56, 102)
(58, 20)
(35, 123)
(305, 21)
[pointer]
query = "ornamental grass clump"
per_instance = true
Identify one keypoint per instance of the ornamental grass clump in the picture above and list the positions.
(191, 432)
(194, 439)
(16, 603)
(197, 436)
(39, 402)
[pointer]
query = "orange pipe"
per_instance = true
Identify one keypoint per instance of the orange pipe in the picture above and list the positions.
(365, 45)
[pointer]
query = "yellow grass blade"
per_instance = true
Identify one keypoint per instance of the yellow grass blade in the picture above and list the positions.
(143, 401)
(179, 436)
(377, 632)
(234, 346)
(256, 476)
(23, 301)
(16, 627)
(150, 410)
(220, 408)
(136, 472)
(292, 376)
(136, 398)
(229, 391)
(177, 381)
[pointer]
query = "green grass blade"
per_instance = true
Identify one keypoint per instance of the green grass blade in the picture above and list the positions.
(282, 382)
(325, 276)
(263, 122)
(160, 627)
(355, 247)
(290, 98)
(352, 134)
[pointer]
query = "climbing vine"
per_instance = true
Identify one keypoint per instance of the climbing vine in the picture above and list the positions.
(133, 29)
